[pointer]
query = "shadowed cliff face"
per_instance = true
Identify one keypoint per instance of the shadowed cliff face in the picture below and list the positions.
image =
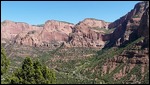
(136, 55)
(127, 25)
(143, 29)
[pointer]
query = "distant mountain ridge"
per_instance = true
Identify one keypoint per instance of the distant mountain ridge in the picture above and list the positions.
(51, 31)
(87, 33)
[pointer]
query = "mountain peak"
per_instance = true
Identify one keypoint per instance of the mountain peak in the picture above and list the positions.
(57, 21)
(7, 21)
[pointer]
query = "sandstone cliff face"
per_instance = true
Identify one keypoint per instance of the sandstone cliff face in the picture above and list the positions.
(137, 55)
(28, 38)
(127, 25)
(93, 23)
(85, 33)
(10, 29)
(18, 32)
(128, 59)
(58, 26)
(56, 31)
(52, 32)
(136, 13)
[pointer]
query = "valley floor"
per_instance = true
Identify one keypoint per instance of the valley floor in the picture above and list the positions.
(87, 65)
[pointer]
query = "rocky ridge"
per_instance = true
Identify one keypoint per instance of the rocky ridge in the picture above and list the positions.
(54, 33)
(126, 26)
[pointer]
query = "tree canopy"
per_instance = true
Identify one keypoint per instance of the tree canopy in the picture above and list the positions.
(4, 62)
(33, 73)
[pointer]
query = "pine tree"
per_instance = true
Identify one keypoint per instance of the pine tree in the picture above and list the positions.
(49, 75)
(4, 62)
(33, 73)
(38, 74)
(28, 70)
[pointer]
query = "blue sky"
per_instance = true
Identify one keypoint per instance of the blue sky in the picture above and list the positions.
(38, 12)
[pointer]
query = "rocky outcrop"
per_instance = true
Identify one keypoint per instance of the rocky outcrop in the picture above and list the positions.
(136, 12)
(88, 33)
(10, 29)
(143, 29)
(58, 26)
(136, 24)
(28, 38)
(106, 37)
(127, 25)
(94, 23)
(53, 32)
(126, 61)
